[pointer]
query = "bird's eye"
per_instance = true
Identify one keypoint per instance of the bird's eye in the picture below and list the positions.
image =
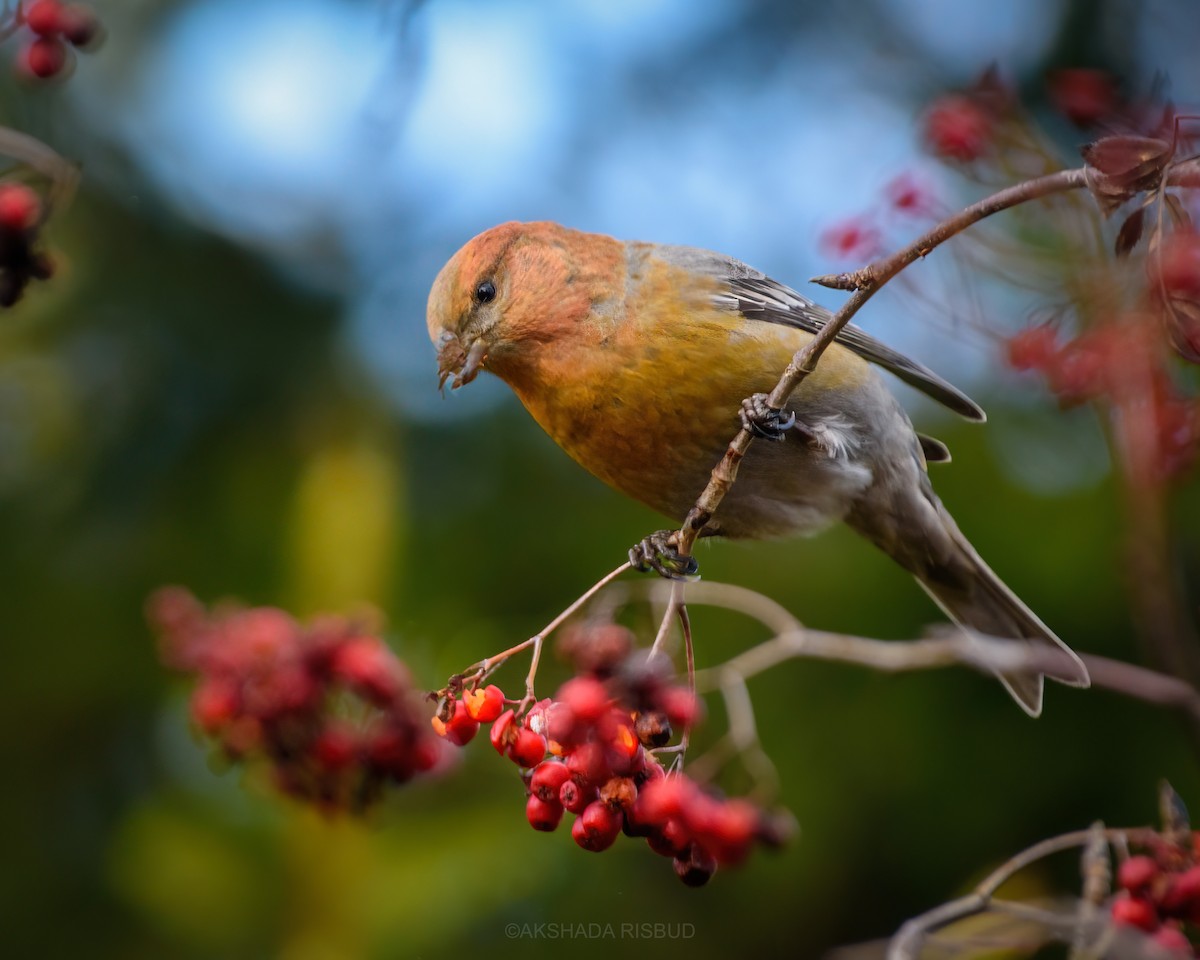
(485, 292)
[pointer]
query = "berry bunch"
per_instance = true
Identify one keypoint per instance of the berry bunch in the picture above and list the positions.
(326, 706)
(1160, 895)
(1118, 363)
(55, 28)
(20, 219)
(959, 127)
(590, 751)
(1083, 95)
(973, 124)
(1174, 275)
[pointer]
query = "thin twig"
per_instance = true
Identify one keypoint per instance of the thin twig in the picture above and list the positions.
(62, 174)
(865, 283)
(689, 653)
(674, 602)
(906, 945)
(484, 668)
(955, 647)
(1096, 868)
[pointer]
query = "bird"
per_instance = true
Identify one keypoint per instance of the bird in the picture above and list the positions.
(639, 358)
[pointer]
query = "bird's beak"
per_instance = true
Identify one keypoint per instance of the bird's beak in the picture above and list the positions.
(454, 361)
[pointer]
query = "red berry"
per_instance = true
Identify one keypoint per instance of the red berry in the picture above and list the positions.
(1135, 912)
(1177, 267)
(548, 778)
(425, 754)
(623, 743)
(214, 704)
(335, 748)
(650, 770)
(596, 647)
(588, 762)
(854, 239)
(575, 796)
(45, 57)
(19, 207)
(696, 867)
(484, 705)
(44, 17)
(388, 750)
(1137, 873)
(661, 799)
(680, 706)
(597, 827)
(730, 830)
(1182, 898)
(1083, 96)
(79, 25)
(370, 668)
(586, 697)
(1033, 348)
(504, 732)
(542, 815)
(958, 128)
(671, 839)
(460, 729)
(1172, 940)
(905, 194)
(1080, 371)
(528, 748)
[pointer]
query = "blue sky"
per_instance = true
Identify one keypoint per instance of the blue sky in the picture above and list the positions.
(357, 147)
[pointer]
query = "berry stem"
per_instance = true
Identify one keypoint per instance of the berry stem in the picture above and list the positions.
(907, 943)
(480, 670)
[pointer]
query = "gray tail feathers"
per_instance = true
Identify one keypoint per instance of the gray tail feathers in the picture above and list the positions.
(971, 595)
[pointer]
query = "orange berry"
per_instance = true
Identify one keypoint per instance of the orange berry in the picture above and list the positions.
(484, 705)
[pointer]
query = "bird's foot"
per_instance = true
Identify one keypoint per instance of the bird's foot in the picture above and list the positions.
(659, 552)
(763, 420)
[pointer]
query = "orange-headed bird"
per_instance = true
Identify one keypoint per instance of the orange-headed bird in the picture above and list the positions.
(636, 358)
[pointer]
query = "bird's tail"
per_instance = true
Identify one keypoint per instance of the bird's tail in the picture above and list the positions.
(955, 576)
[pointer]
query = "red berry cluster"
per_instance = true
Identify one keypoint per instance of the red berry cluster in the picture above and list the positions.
(589, 751)
(970, 125)
(55, 28)
(1084, 96)
(20, 220)
(959, 127)
(1160, 895)
(857, 239)
(1175, 282)
(1118, 362)
(327, 706)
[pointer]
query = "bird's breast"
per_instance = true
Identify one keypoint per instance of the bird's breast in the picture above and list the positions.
(647, 404)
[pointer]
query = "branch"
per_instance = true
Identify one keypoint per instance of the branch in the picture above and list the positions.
(865, 283)
(954, 648)
(62, 174)
(906, 945)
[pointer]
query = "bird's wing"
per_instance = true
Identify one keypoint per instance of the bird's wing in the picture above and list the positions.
(761, 298)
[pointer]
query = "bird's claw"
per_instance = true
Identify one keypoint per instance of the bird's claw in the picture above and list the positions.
(763, 420)
(658, 552)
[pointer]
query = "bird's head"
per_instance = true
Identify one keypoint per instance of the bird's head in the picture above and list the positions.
(508, 290)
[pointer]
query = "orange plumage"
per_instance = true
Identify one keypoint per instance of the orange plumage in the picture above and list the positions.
(635, 359)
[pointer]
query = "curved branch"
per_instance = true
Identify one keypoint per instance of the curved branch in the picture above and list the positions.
(865, 283)
(906, 945)
(956, 648)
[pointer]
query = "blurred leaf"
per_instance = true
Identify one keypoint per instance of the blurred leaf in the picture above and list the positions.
(346, 526)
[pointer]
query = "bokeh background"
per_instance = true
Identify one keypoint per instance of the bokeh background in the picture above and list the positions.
(228, 385)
